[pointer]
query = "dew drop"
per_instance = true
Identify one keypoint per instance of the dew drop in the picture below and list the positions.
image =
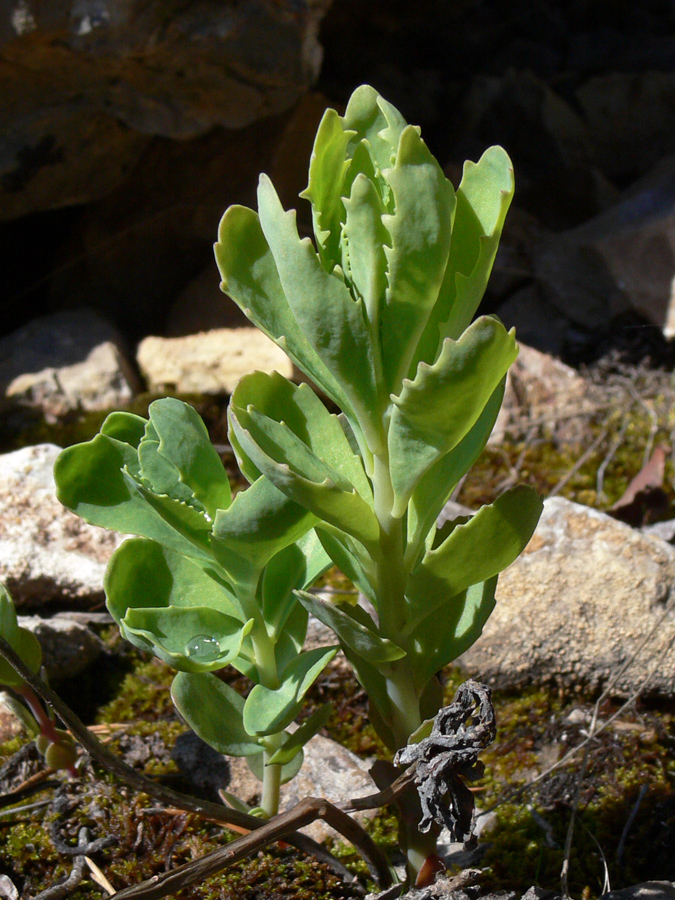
(203, 648)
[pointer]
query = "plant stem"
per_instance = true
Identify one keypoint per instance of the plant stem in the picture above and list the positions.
(271, 778)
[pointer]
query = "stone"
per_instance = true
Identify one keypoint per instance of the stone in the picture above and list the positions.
(630, 115)
(542, 393)
(577, 607)
(68, 648)
(329, 771)
(620, 260)
(84, 83)
(49, 557)
(538, 322)
(67, 361)
(210, 362)
(647, 890)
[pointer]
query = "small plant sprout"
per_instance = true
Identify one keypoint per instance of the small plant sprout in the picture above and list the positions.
(379, 316)
(55, 744)
(209, 580)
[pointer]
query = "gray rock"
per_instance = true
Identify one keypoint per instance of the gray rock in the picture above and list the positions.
(68, 648)
(211, 362)
(329, 771)
(85, 82)
(48, 555)
(578, 605)
(647, 890)
(664, 530)
(71, 360)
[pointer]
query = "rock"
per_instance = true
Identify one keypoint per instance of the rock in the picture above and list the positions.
(329, 771)
(71, 360)
(84, 83)
(542, 393)
(647, 890)
(538, 322)
(210, 362)
(202, 306)
(622, 259)
(48, 555)
(559, 183)
(630, 115)
(68, 648)
(577, 606)
(664, 530)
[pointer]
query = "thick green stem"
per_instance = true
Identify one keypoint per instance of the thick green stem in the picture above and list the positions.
(271, 786)
(403, 716)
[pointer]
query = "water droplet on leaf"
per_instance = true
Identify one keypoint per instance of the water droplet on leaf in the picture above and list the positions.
(203, 648)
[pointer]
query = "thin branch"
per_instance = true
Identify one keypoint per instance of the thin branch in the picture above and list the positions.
(580, 462)
(139, 782)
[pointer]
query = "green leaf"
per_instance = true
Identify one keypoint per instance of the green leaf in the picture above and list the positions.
(288, 772)
(125, 426)
(21, 712)
(374, 120)
(472, 553)
(290, 641)
(463, 617)
(142, 573)
(327, 169)
(190, 639)
(332, 320)
(434, 488)
(214, 711)
(349, 558)
(184, 442)
(268, 711)
(260, 522)
(483, 199)
(302, 735)
(363, 640)
(95, 480)
(23, 642)
(420, 229)
(250, 277)
(278, 426)
(297, 566)
(441, 405)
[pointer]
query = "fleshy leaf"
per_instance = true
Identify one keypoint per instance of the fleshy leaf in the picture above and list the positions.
(268, 711)
(23, 642)
(142, 573)
(297, 566)
(297, 740)
(463, 618)
(440, 406)
(288, 771)
(363, 640)
(483, 199)
(474, 552)
(332, 320)
(420, 230)
(214, 711)
(260, 522)
(251, 279)
(184, 442)
(347, 557)
(434, 488)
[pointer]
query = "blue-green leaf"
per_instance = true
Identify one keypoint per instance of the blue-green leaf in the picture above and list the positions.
(297, 740)
(288, 772)
(268, 711)
(474, 552)
(443, 402)
(214, 711)
(362, 639)
(23, 642)
(420, 229)
(451, 629)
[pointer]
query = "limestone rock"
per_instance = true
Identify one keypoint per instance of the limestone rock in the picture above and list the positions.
(329, 771)
(577, 605)
(210, 362)
(67, 361)
(48, 555)
(84, 83)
